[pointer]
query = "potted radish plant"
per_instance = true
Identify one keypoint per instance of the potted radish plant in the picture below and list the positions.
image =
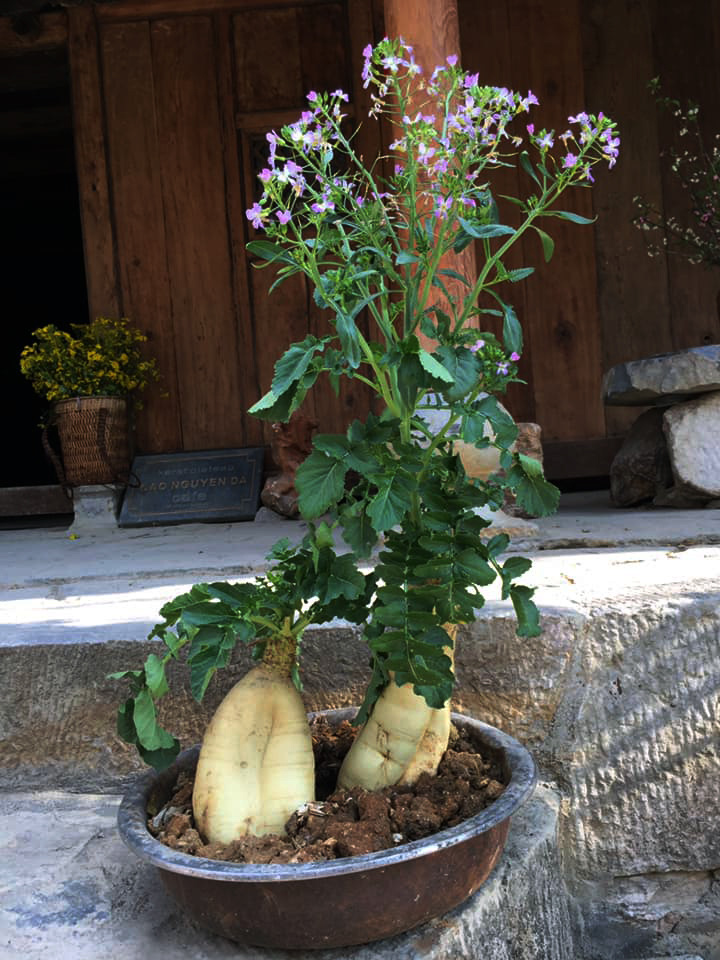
(373, 240)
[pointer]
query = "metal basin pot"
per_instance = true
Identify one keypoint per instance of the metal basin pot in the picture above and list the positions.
(340, 902)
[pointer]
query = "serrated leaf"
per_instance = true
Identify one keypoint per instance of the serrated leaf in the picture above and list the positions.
(293, 363)
(531, 466)
(434, 367)
(534, 494)
(359, 533)
(345, 580)
(390, 503)
(514, 276)
(320, 482)
(274, 407)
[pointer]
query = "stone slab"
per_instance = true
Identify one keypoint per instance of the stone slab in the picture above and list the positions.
(208, 485)
(692, 430)
(72, 891)
(663, 379)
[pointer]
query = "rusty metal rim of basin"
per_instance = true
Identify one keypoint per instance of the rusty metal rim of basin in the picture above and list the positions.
(132, 821)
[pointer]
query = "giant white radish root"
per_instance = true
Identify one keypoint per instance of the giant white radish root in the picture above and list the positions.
(256, 762)
(402, 738)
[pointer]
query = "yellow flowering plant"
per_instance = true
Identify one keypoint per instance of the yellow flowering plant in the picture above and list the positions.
(101, 358)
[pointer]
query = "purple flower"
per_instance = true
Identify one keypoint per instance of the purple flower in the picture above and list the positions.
(502, 368)
(265, 175)
(257, 215)
(514, 356)
(545, 142)
(312, 96)
(341, 94)
(452, 59)
(478, 345)
(283, 216)
(569, 161)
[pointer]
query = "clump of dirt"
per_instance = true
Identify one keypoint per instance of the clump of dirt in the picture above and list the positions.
(347, 823)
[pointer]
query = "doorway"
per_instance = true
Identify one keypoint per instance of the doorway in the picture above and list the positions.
(42, 273)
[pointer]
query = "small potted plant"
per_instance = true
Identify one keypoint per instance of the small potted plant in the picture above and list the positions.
(374, 240)
(87, 376)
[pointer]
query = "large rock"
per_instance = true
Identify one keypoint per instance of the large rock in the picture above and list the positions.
(692, 430)
(641, 467)
(663, 379)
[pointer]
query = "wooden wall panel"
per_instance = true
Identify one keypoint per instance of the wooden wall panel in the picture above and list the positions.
(91, 165)
(562, 302)
(316, 41)
(558, 307)
(687, 61)
(198, 245)
(133, 152)
(248, 385)
(633, 294)
(486, 49)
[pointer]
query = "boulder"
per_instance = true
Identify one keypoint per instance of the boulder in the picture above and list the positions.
(692, 431)
(641, 468)
(663, 379)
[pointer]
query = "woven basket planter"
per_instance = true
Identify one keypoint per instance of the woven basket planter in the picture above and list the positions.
(93, 435)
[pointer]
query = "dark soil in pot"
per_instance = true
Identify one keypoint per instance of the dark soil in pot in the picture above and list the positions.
(345, 823)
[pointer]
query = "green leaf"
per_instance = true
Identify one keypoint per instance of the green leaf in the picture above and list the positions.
(512, 331)
(320, 481)
(527, 166)
(567, 215)
(514, 276)
(390, 504)
(534, 494)
(455, 276)
(150, 734)
(548, 244)
(155, 676)
(161, 758)
(462, 366)
(293, 364)
(472, 565)
(515, 567)
(271, 252)
(279, 407)
(125, 724)
(405, 257)
(359, 533)
(531, 466)
(434, 367)
(345, 580)
(210, 650)
(525, 611)
(485, 231)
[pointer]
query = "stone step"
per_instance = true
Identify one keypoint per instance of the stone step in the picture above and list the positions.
(72, 891)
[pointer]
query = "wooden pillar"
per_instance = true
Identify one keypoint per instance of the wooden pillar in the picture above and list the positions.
(431, 27)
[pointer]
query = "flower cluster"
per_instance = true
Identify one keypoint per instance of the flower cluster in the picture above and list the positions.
(697, 237)
(450, 129)
(102, 358)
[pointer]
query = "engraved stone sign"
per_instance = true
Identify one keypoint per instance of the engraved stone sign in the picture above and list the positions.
(200, 486)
